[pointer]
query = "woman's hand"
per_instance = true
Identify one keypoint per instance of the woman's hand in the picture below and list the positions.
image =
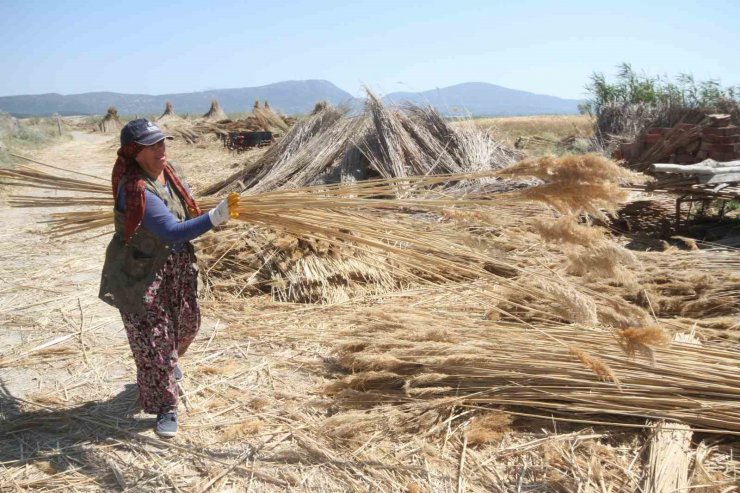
(225, 210)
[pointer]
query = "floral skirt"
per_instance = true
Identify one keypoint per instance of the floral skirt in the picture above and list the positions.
(162, 334)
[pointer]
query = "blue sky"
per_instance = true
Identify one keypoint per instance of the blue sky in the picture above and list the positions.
(552, 47)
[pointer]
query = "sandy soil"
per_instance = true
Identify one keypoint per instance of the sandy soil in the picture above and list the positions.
(49, 280)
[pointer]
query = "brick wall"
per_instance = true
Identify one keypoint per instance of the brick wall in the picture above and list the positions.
(719, 141)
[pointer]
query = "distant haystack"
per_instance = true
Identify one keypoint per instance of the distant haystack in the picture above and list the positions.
(320, 106)
(9, 126)
(215, 114)
(268, 119)
(174, 124)
(169, 115)
(110, 123)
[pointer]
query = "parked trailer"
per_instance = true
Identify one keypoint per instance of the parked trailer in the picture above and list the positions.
(241, 141)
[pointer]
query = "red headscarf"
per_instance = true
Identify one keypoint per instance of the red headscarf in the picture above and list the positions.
(127, 169)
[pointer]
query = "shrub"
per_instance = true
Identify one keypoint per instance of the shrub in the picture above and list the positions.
(22, 134)
(626, 107)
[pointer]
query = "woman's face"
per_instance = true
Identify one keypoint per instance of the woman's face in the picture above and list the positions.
(153, 158)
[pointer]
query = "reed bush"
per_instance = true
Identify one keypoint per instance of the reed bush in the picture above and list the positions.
(24, 135)
(625, 107)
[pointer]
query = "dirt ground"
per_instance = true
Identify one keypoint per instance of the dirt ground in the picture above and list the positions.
(253, 416)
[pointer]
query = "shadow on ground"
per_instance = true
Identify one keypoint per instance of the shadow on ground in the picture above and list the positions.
(58, 440)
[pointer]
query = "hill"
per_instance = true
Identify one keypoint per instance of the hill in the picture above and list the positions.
(293, 97)
(483, 99)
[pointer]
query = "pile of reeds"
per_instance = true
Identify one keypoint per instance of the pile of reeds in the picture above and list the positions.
(268, 120)
(419, 141)
(215, 113)
(373, 217)
(242, 262)
(217, 123)
(276, 160)
(383, 142)
(180, 127)
(570, 373)
(427, 250)
(169, 115)
(110, 122)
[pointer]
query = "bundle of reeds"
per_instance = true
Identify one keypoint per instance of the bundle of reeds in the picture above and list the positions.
(408, 356)
(400, 148)
(468, 146)
(110, 122)
(26, 176)
(270, 120)
(174, 124)
(215, 113)
(362, 215)
(383, 142)
(278, 158)
(169, 116)
(243, 262)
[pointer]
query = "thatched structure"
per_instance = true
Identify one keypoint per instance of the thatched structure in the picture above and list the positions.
(110, 122)
(215, 113)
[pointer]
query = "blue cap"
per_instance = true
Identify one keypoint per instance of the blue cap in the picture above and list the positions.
(143, 132)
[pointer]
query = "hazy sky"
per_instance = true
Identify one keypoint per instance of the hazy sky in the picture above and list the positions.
(174, 46)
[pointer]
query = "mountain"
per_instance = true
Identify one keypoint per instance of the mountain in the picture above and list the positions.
(293, 97)
(290, 97)
(482, 99)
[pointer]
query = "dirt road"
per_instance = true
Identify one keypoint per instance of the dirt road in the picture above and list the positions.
(49, 295)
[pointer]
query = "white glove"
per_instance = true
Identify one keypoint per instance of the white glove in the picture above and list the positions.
(225, 210)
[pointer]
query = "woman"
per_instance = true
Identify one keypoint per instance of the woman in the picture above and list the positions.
(150, 271)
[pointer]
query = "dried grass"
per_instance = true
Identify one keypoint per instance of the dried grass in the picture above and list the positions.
(603, 260)
(488, 428)
(597, 365)
(643, 340)
(668, 463)
(567, 229)
(499, 364)
(241, 430)
(439, 352)
(215, 113)
(110, 122)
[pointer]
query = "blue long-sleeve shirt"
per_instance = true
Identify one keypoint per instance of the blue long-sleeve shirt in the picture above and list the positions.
(159, 220)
